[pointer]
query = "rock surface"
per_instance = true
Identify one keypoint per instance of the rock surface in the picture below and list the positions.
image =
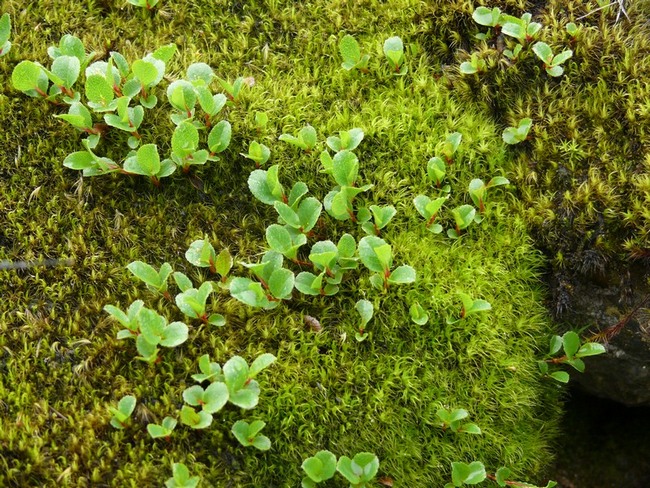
(623, 374)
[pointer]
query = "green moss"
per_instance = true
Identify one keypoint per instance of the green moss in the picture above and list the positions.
(61, 364)
(583, 175)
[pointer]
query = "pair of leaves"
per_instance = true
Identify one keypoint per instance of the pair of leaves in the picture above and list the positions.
(192, 302)
(552, 64)
(146, 161)
(394, 52)
(381, 217)
(266, 187)
(452, 419)
(366, 311)
(165, 429)
(478, 189)
(359, 470)
(320, 467)
(122, 413)
(302, 219)
(515, 135)
(463, 217)
(474, 65)
(346, 140)
(470, 307)
(156, 280)
(429, 209)
(257, 152)
(351, 54)
(306, 139)
(377, 256)
(180, 474)
(248, 434)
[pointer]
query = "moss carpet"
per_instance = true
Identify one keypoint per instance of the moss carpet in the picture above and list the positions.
(61, 365)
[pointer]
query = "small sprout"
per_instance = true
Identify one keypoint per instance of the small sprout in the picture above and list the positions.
(478, 190)
(436, 170)
(127, 119)
(181, 94)
(320, 467)
(5, 33)
(302, 219)
(261, 121)
(122, 414)
(185, 146)
(346, 140)
(223, 264)
(429, 210)
(199, 74)
(211, 400)
(360, 470)
(574, 350)
(180, 474)
(287, 243)
(210, 371)
(572, 29)
(196, 420)
(474, 65)
(80, 118)
(275, 283)
(470, 307)
(149, 72)
(463, 216)
(243, 390)
(192, 302)
(89, 162)
(128, 319)
(266, 187)
(452, 419)
(29, 78)
(257, 152)
(487, 17)
(513, 54)
(515, 135)
(232, 91)
(381, 217)
(248, 434)
(165, 430)
(521, 29)
(219, 139)
(306, 139)
(202, 254)
(146, 162)
(450, 145)
(418, 314)
(351, 54)
(155, 330)
(552, 64)
(394, 52)
(148, 4)
(338, 203)
(156, 281)
(366, 310)
(502, 479)
(377, 256)
(466, 474)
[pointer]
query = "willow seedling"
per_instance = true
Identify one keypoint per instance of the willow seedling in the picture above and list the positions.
(365, 310)
(463, 217)
(466, 474)
(437, 170)
(156, 281)
(306, 139)
(574, 350)
(478, 190)
(89, 162)
(266, 187)
(346, 140)
(470, 307)
(146, 161)
(122, 414)
(211, 400)
(418, 314)
(351, 54)
(360, 470)
(148, 4)
(182, 96)
(275, 283)
(394, 52)
(232, 90)
(155, 330)
(381, 217)
(249, 434)
(194, 419)
(522, 28)
(192, 302)
(243, 390)
(475, 65)
(452, 419)
(164, 430)
(129, 320)
(513, 54)
(429, 210)
(450, 145)
(210, 371)
(127, 119)
(488, 17)
(320, 467)
(202, 254)
(285, 240)
(5, 33)
(261, 121)
(80, 118)
(552, 63)
(303, 218)
(515, 135)
(219, 139)
(257, 152)
(377, 256)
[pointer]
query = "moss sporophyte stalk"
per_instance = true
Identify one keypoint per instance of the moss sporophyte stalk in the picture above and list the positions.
(309, 239)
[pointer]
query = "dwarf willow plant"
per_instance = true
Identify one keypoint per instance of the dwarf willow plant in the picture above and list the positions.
(274, 282)
(474, 473)
(5, 34)
(346, 140)
(449, 146)
(375, 218)
(463, 215)
(475, 65)
(351, 54)
(181, 474)
(436, 171)
(163, 430)
(515, 135)
(377, 256)
(418, 314)
(259, 153)
(522, 29)
(116, 96)
(358, 471)
(453, 420)
(122, 414)
(148, 4)
(156, 280)
(249, 434)
(574, 350)
(366, 311)
(306, 139)
(552, 63)
(470, 307)
(429, 209)
(394, 52)
(344, 168)
(478, 190)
